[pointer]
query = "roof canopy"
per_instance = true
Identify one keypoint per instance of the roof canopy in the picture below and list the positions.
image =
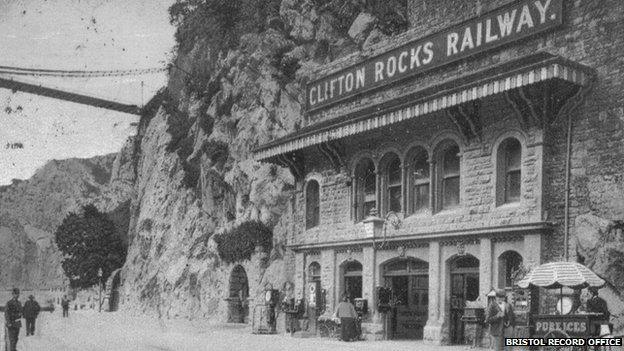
(457, 97)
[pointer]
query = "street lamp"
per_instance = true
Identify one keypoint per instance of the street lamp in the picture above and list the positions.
(100, 285)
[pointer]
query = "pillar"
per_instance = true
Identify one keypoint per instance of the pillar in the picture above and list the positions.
(433, 328)
(485, 268)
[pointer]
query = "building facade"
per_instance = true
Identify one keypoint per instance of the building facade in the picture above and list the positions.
(447, 158)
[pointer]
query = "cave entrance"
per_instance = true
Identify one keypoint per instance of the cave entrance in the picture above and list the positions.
(238, 308)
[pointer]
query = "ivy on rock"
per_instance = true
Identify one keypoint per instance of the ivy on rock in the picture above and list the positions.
(239, 243)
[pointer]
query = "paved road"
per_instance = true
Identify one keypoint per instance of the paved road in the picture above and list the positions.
(90, 331)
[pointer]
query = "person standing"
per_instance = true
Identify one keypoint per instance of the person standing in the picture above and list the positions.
(346, 312)
(65, 305)
(597, 304)
(500, 316)
(12, 318)
(31, 312)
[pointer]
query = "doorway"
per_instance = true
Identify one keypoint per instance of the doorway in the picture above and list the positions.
(238, 307)
(409, 281)
(353, 280)
(464, 287)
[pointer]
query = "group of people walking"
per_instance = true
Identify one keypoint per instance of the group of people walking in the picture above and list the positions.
(14, 312)
(13, 315)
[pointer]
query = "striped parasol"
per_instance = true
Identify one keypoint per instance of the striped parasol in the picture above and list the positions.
(561, 274)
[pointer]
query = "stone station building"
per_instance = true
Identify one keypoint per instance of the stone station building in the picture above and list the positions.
(441, 183)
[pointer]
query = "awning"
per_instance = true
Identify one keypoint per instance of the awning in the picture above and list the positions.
(526, 71)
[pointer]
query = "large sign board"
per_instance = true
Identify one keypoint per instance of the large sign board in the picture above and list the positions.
(498, 27)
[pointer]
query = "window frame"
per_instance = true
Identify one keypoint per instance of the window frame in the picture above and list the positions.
(390, 159)
(362, 197)
(415, 154)
(504, 171)
(442, 178)
(317, 207)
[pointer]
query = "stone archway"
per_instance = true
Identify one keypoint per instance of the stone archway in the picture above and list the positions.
(408, 279)
(238, 308)
(464, 286)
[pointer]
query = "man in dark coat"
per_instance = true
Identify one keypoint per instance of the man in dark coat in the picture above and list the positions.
(500, 316)
(597, 304)
(31, 311)
(65, 305)
(12, 320)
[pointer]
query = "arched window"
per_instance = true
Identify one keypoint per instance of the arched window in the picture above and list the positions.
(508, 264)
(509, 175)
(365, 188)
(312, 204)
(448, 195)
(314, 272)
(418, 180)
(392, 194)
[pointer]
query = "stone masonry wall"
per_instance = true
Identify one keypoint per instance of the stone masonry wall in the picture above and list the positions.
(591, 35)
(478, 207)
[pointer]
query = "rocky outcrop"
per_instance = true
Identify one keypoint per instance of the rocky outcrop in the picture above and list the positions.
(31, 210)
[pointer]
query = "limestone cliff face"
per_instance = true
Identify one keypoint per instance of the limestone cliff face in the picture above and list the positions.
(187, 192)
(31, 210)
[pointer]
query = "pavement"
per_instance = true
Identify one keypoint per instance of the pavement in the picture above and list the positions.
(108, 331)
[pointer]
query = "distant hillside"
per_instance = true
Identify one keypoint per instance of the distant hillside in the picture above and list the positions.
(30, 211)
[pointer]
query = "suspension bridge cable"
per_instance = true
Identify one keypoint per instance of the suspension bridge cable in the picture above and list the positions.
(78, 73)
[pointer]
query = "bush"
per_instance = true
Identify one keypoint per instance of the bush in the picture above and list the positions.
(216, 150)
(240, 243)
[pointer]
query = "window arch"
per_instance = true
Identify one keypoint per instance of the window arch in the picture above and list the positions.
(418, 180)
(509, 174)
(312, 204)
(508, 264)
(392, 196)
(449, 176)
(365, 188)
(314, 272)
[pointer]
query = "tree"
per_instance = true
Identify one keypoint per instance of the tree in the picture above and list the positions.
(89, 241)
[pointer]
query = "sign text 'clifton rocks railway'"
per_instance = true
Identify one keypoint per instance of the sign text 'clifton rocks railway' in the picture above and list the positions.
(500, 26)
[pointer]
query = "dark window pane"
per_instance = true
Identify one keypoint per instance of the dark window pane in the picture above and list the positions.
(513, 154)
(451, 161)
(421, 197)
(450, 189)
(400, 290)
(424, 299)
(421, 168)
(394, 194)
(394, 172)
(512, 186)
(365, 188)
(368, 206)
(472, 287)
(312, 204)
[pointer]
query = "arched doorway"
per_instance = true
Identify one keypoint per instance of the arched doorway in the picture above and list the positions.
(113, 302)
(238, 293)
(464, 287)
(409, 280)
(352, 279)
(509, 262)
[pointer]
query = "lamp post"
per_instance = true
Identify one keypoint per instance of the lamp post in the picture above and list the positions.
(100, 285)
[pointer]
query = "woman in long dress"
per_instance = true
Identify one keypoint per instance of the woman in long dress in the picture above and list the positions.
(346, 312)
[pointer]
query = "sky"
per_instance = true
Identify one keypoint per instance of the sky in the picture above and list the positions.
(76, 35)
